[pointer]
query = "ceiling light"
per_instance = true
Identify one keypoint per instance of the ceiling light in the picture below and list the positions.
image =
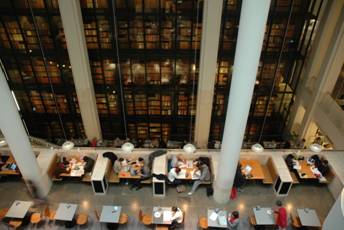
(257, 148)
(189, 148)
(127, 147)
(68, 145)
(3, 142)
(315, 148)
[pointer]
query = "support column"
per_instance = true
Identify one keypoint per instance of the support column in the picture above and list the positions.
(212, 12)
(76, 43)
(253, 19)
(17, 139)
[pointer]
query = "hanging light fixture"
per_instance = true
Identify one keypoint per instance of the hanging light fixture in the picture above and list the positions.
(3, 142)
(257, 148)
(67, 145)
(189, 147)
(316, 148)
(127, 147)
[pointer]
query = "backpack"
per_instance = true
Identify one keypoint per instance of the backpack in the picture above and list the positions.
(210, 191)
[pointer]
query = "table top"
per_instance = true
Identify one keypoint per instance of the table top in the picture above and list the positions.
(66, 211)
(308, 217)
(305, 168)
(219, 214)
(164, 212)
(19, 209)
(257, 170)
(263, 217)
(110, 215)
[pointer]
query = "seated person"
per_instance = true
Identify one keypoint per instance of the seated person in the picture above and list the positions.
(177, 217)
(290, 162)
(205, 176)
(62, 167)
(233, 221)
(144, 173)
(89, 164)
(196, 172)
(177, 161)
(120, 165)
(172, 177)
(324, 167)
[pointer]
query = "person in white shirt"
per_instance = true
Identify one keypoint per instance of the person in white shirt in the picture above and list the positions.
(172, 177)
(177, 217)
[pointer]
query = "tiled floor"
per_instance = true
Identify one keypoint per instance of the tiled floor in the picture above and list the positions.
(310, 196)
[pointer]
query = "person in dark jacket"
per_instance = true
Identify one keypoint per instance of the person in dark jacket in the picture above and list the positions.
(89, 164)
(239, 179)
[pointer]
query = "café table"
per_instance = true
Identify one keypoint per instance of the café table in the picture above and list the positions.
(19, 209)
(305, 171)
(256, 169)
(110, 214)
(264, 216)
(66, 211)
(216, 223)
(162, 215)
(308, 217)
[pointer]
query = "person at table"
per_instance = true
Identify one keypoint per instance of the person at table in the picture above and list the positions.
(239, 179)
(323, 167)
(172, 177)
(120, 165)
(89, 163)
(62, 167)
(177, 161)
(281, 216)
(177, 217)
(233, 221)
(205, 176)
(144, 173)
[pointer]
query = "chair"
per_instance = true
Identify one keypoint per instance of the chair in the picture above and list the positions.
(123, 218)
(3, 213)
(252, 220)
(35, 218)
(145, 219)
(203, 222)
(49, 214)
(81, 219)
(15, 223)
(295, 221)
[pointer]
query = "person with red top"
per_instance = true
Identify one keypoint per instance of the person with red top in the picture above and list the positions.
(233, 221)
(281, 216)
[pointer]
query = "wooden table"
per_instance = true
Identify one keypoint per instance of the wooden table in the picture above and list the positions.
(66, 211)
(72, 170)
(305, 169)
(264, 216)
(6, 171)
(257, 170)
(216, 223)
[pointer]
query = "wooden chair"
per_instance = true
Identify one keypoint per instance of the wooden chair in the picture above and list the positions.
(49, 214)
(203, 222)
(3, 213)
(81, 219)
(15, 224)
(252, 220)
(295, 221)
(123, 218)
(145, 219)
(96, 213)
(35, 218)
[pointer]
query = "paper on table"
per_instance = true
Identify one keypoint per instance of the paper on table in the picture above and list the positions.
(167, 216)
(213, 216)
(182, 173)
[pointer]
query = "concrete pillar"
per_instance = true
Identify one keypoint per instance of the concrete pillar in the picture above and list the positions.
(207, 69)
(17, 139)
(76, 43)
(253, 19)
(335, 218)
(316, 58)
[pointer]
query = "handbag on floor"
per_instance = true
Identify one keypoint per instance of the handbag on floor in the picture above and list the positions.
(181, 188)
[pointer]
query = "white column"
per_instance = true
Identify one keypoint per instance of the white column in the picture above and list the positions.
(335, 218)
(76, 43)
(253, 19)
(207, 69)
(18, 141)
